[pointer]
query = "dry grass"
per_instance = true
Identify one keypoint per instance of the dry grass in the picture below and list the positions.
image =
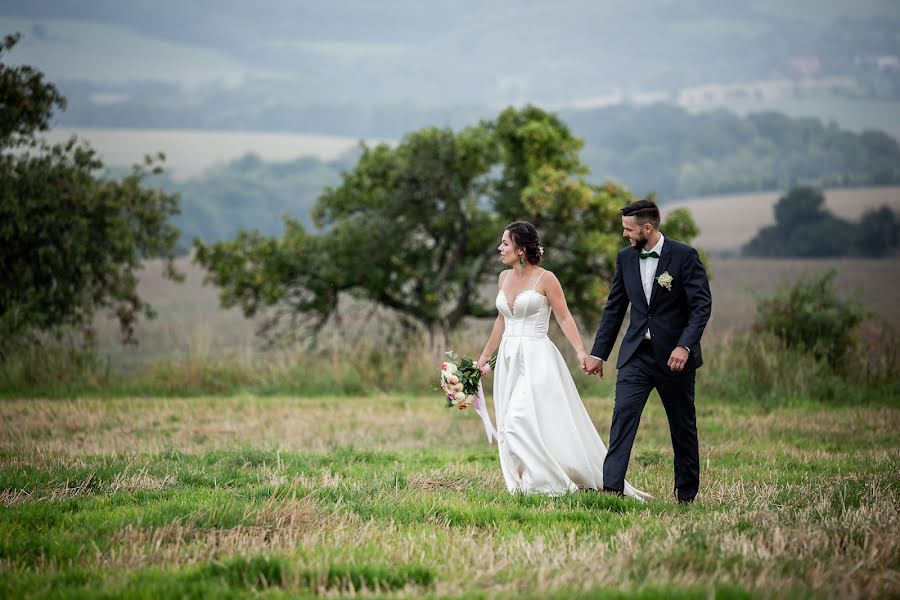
(84, 427)
(794, 501)
(64, 432)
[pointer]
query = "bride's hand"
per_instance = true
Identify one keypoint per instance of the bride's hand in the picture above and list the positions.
(484, 363)
(583, 360)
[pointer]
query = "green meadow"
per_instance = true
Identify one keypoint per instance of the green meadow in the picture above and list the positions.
(397, 496)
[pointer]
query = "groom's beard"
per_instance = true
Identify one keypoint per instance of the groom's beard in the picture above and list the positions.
(639, 243)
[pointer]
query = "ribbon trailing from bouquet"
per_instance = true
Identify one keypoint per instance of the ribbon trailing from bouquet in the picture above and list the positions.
(480, 407)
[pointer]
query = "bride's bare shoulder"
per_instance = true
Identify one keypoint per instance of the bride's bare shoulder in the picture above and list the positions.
(548, 279)
(548, 275)
(502, 277)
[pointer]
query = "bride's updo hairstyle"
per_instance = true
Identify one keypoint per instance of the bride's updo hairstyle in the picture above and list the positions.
(524, 235)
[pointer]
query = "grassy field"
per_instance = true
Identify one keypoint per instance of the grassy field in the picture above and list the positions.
(398, 496)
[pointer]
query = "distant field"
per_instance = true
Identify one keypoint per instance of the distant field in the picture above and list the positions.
(728, 222)
(738, 283)
(188, 153)
(192, 324)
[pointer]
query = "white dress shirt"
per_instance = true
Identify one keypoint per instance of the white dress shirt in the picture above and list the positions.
(648, 273)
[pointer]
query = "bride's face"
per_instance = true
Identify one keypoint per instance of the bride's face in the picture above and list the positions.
(508, 254)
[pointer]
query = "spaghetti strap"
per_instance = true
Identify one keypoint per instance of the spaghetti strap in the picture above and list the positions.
(536, 281)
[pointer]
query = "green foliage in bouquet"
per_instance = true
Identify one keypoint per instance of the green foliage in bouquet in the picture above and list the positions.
(459, 379)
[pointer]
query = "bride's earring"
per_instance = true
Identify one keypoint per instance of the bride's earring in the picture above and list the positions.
(522, 261)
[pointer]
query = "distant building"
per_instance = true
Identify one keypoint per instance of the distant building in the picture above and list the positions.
(807, 66)
(888, 63)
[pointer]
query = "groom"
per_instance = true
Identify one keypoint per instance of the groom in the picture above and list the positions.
(666, 285)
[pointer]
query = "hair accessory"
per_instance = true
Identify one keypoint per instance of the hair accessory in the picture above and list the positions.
(541, 250)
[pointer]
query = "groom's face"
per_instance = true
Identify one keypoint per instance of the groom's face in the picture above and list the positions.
(634, 232)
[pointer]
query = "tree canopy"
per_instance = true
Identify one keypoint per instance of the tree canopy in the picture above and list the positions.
(805, 229)
(414, 228)
(70, 241)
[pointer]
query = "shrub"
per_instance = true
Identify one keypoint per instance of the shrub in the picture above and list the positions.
(812, 318)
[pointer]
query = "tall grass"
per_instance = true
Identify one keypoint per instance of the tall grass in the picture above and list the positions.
(755, 368)
(53, 365)
(359, 366)
(763, 368)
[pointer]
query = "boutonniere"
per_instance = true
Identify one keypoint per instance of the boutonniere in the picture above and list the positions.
(665, 280)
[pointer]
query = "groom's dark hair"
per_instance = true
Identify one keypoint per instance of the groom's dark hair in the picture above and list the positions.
(643, 211)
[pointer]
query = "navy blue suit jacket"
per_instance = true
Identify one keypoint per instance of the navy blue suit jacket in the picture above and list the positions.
(675, 317)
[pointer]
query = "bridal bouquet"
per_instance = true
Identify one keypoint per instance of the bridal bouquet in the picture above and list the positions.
(461, 383)
(460, 379)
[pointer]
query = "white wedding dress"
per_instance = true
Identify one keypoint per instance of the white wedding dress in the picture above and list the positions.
(548, 444)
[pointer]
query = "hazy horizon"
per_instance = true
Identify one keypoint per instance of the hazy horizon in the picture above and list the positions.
(207, 83)
(276, 55)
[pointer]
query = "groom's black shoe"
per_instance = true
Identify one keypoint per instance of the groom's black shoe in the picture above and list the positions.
(682, 500)
(613, 492)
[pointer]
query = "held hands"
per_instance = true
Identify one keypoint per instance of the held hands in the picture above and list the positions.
(591, 365)
(594, 366)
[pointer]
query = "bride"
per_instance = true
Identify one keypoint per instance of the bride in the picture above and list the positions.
(547, 442)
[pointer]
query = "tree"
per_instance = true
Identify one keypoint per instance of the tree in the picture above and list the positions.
(414, 228)
(800, 220)
(804, 228)
(408, 229)
(70, 241)
(878, 233)
(800, 207)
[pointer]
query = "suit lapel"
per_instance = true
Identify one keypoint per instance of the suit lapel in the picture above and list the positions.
(661, 266)
(637, 287)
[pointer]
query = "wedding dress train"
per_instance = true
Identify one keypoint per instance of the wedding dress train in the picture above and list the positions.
(547, 442)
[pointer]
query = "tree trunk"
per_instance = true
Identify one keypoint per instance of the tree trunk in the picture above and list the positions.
(437, 338)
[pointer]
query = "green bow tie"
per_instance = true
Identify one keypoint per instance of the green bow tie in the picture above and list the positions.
(649, 255)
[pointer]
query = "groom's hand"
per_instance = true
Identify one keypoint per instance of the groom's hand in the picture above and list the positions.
(678, 358)
(592, 366)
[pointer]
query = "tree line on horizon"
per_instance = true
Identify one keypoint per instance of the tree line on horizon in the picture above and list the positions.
(662, 150)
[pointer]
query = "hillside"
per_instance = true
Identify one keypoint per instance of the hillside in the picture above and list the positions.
(264, 66)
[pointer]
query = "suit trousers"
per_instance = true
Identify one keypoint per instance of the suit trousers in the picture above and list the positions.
(635, 380)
